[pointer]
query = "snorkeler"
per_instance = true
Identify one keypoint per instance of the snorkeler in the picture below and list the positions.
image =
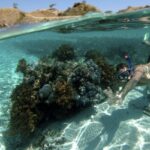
(130, 77)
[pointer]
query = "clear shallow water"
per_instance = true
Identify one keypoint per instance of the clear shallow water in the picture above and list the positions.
(9, 57)
(112, 128)
(101, 127)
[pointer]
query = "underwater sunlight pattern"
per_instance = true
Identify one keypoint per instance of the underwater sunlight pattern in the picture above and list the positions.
(101, 126)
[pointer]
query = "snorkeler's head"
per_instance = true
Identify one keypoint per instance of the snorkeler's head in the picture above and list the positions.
(123, 72)
(121, 66)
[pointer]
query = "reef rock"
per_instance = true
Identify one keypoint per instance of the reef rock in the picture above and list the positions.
(57, 86)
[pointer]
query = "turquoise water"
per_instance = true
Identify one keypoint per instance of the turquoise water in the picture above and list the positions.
(122, 127)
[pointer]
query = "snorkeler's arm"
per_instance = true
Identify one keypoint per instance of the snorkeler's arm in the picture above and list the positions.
(119, 96)
(131, 83)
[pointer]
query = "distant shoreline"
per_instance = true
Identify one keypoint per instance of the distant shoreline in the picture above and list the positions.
(13, 16)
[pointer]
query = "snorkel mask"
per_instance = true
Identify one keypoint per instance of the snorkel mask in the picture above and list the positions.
(124, 76)
(127, 74)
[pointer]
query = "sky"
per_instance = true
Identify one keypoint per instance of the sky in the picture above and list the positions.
(104, 5)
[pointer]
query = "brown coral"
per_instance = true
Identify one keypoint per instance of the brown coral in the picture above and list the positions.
(63, 94)
(64, 52)
(24, 116)
(107, 71)
(22, 66)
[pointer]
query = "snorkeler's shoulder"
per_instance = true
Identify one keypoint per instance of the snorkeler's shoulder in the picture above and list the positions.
(140, 67)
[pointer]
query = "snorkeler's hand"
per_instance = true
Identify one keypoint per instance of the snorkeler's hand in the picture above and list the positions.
(108, 92)
(118, 98)
(111, 97)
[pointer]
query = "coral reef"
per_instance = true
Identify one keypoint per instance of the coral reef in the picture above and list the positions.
(64, 52)
(85, 79)
(59, 85)
(24, 115)
(52, 140)
(108, 71)
(63, 93)
(49, 139)
(22, 66)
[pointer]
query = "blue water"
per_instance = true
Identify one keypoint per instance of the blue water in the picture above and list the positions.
(122, 127)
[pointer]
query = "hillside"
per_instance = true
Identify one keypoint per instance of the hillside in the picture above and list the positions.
(10, 16)
(130, 9)
(79, 9)
(40, 16)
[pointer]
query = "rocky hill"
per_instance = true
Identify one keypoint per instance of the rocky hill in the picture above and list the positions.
(79, 9)
(130, 9)
(45, 13)
(10, 16)
(40, 15)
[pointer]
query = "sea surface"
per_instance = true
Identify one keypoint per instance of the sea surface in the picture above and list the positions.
(101, 127)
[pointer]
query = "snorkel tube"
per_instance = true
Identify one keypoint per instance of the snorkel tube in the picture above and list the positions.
(130, 64)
